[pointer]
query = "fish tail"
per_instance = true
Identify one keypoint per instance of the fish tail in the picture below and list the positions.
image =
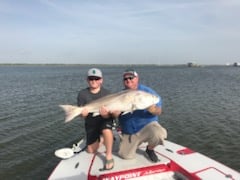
(71, 111)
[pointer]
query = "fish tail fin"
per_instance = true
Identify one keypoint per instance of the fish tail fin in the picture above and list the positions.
(71, 111)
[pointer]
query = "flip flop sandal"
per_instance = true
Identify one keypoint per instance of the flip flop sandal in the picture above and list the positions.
(110, 161)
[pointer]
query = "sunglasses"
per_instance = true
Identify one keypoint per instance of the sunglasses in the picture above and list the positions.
(93, 78)
(128, 78)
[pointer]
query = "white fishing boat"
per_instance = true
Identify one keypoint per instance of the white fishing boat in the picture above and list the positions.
(176, 162)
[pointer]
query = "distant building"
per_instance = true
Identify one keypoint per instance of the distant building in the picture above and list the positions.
(192, 64)
(236, 64)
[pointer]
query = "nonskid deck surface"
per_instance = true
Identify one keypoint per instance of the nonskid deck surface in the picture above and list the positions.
(134, 168)
(140, 163)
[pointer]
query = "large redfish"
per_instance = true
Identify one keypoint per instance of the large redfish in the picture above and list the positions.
(124, 101)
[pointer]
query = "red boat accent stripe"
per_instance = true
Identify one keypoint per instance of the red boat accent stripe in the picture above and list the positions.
(90, 177)
(138, 172)
(185, 151)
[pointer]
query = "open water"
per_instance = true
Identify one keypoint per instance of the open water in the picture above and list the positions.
(201, 110)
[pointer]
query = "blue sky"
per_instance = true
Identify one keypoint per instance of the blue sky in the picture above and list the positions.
(120, 31)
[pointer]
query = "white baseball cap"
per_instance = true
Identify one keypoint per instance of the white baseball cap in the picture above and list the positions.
(95, 72)
(130, 72)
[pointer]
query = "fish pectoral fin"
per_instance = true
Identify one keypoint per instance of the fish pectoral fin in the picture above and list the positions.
(131, 110)
(95, 114)
(125, 112)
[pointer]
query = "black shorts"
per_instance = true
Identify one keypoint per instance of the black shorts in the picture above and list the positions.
(94, 131)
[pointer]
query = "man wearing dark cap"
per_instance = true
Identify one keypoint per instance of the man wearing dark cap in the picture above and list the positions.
(140, 125)
(97, 126)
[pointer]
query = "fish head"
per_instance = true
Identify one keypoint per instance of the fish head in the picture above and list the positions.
(143, 100)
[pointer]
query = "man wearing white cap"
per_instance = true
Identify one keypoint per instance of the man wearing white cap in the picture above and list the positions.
(99, 125)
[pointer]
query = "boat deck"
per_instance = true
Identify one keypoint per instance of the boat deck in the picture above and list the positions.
(86, 166)
(175, 162)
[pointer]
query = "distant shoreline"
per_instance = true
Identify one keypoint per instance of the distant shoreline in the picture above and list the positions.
(160, 65)
(87, 65)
